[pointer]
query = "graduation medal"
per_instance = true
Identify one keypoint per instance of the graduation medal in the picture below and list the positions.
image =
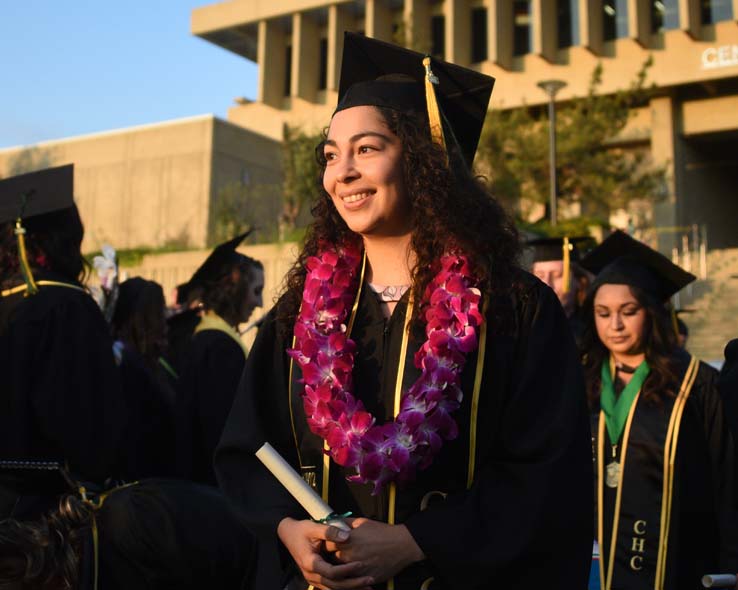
(383, 453)
(612, 474)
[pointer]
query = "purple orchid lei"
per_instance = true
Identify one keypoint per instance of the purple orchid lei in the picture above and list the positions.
(391, 452)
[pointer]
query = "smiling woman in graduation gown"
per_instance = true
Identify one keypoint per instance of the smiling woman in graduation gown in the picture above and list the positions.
(505, 501)
(61, 398)
(665, 477)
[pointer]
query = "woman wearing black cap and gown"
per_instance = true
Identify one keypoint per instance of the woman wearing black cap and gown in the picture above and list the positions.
(665, 486)
(61, 398)
(232, 285)
(412, 372)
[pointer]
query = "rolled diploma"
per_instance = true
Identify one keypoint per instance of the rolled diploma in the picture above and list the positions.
(298, 487)
(719, 581)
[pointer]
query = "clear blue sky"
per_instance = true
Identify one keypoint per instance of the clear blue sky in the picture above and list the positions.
(79, 66)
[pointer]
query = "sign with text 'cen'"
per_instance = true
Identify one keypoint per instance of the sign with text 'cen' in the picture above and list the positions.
(724, 56)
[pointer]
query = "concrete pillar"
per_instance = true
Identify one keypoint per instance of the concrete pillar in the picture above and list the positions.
(338, 21)
(416, 18)
(500, 32)
(458, 31)
(591, 34)
(544, 33)
(379, 20)
(690, 17)
(664, 140)
(305, 57)
(271, 60)
(639, 21)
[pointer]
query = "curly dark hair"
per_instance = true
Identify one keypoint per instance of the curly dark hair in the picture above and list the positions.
(45, 554)
(226, 294)
(450, 208)
(53, 242)
(659, 345)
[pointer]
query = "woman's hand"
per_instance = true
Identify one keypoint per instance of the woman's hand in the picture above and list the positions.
(306, 540)
(383, 550)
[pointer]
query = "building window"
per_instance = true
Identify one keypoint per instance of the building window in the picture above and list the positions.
(478, 34)
(716, 10)
(287, 70)
(438, 36)
(323, 74)
(664, 15)
(522, 22)
(568, 23)
(615, 19)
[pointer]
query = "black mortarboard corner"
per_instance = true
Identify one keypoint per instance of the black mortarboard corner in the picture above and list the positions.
(217, 263)
(623, 260)
(32, 195)
(375, 73)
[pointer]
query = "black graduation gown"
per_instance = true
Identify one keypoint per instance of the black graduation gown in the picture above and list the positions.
(521, 522)
(212, 368)
(670, 534)
(728, 386)
(150, 437)
(60, 398)
(180, 328)
(164, 534)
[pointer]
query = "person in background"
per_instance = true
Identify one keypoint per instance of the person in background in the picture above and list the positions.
(728, 385)
(61, 396)
(412, 372)
(665, 469)
(232, 286)
(682, 333)
(139, 330)
(556, 263)
(146, 535)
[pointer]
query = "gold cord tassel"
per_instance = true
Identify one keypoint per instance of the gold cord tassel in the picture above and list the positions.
(434, 115)
(566, 278)
(20, 234)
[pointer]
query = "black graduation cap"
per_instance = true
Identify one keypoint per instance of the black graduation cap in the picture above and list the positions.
(623, 260)
(554, 248)
(36, 193)
(217, 263)
(376, 73)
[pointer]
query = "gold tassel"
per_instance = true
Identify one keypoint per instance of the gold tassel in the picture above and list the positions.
(20, 233)
(434, 115)
(567, 265)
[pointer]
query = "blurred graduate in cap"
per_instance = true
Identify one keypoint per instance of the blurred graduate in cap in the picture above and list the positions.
(556, 263)
(412, 372)
(145, 535)
(229, 286)
(666, 503)
(61, 398)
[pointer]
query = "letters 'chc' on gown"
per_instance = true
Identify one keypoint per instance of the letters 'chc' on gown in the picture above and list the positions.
(525, 519)
(674, 523)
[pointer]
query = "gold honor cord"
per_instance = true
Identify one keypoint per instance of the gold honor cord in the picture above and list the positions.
(398, 399)
(24, 287)
(670, 447)
(475, 398)
(619, 496)
(434, 114)
(567, 247)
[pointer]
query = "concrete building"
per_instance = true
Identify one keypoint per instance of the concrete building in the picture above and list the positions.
(690, 125)
(158, 185)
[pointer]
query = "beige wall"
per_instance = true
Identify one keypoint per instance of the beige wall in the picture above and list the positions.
(153, 185)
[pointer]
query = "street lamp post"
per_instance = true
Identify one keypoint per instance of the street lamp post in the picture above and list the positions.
(551, 87)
